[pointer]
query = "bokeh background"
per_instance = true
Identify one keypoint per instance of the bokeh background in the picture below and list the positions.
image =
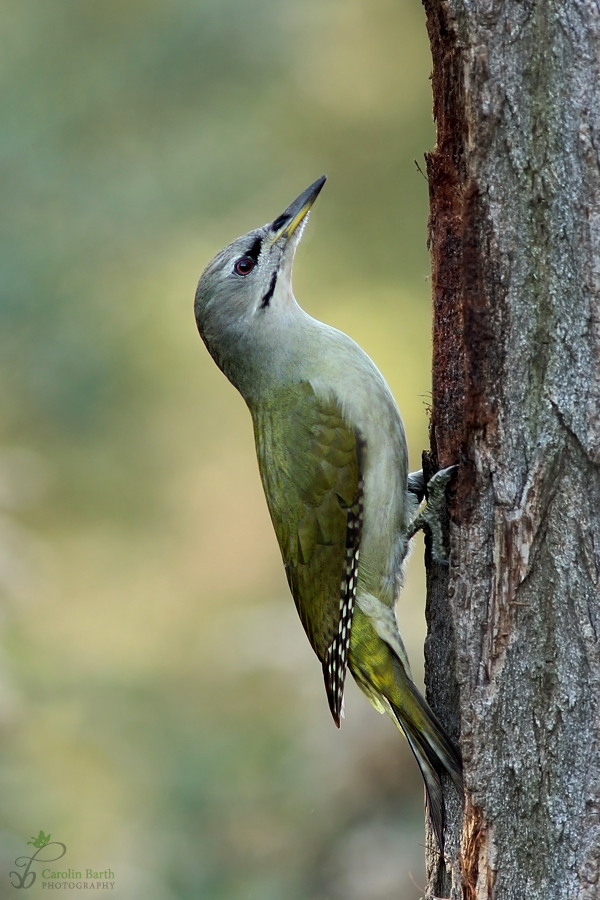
(161, 711)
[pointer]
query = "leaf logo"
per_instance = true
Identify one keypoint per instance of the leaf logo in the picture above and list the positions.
(40, 841)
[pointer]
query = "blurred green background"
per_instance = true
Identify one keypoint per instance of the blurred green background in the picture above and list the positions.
(161, 711)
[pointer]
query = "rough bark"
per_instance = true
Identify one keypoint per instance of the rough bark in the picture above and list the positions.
(513, 654)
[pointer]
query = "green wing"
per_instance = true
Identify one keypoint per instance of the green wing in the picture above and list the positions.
(309, 461)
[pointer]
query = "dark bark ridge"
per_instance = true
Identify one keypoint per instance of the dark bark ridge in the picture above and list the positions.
(515, 242)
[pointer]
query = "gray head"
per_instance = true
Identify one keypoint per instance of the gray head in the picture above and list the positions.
(246, 290)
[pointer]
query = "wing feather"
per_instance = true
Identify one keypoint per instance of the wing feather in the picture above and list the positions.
(310, 462)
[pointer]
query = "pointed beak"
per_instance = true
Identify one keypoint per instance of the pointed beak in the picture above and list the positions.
(287, 223)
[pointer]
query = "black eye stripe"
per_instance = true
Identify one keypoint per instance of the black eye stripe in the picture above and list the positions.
(254, 250)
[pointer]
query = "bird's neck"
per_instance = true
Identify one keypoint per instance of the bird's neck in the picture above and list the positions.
(270, 351)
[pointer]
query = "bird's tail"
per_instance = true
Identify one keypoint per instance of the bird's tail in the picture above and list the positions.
(382, 673)
(433, 749)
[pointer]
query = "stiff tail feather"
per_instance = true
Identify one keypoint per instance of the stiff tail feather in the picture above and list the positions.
(434, 751)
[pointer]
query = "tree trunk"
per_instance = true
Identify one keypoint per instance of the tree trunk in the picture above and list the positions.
(514, 235)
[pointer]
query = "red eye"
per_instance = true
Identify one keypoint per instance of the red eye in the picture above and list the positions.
(244, 265)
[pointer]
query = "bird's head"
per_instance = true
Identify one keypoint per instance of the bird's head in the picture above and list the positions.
(242, 287)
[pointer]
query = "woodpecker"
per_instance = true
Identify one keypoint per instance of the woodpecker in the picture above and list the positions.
(333, 461)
